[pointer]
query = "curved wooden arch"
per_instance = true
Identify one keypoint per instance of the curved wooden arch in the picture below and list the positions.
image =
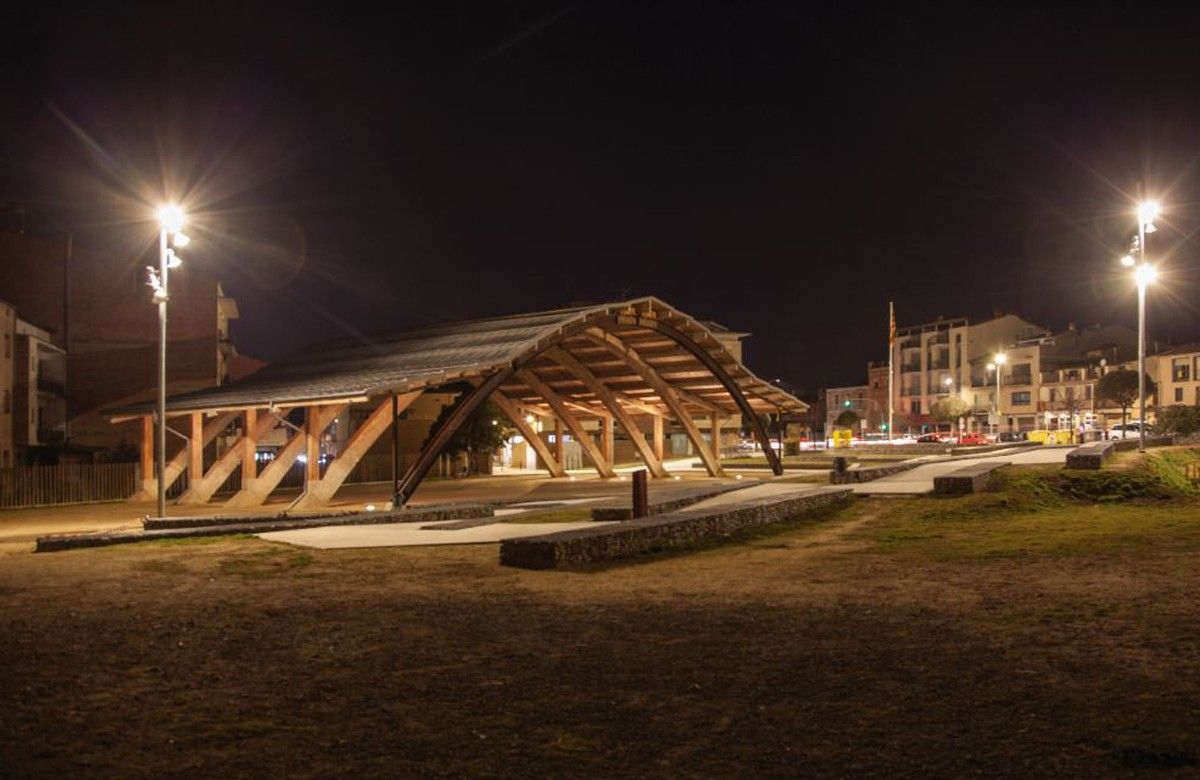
(606, 321)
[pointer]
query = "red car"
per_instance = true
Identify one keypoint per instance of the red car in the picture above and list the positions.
(973, 438)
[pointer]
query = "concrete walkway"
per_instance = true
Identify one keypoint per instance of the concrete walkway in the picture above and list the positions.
(346, 537)
(410, 535)
(919, 481)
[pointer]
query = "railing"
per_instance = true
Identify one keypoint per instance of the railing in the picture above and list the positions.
(910, 367)
(70, 484)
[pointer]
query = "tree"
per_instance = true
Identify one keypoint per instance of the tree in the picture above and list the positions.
(847, 419)
(1180, 419)
(949, 409)
(1120, 388)
(483, 431)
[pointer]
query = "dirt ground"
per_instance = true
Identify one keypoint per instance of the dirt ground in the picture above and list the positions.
(898, 637)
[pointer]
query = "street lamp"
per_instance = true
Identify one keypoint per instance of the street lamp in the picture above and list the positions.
(170, 236)
(998, 360)
(1143, 275)
(948, 382)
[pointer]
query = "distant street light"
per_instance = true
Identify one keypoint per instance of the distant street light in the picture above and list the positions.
(998, 360)
(170, 223)
(1143, 275)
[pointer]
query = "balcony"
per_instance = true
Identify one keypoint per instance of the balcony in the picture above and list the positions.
(941, 364)
(910, 368)
(50, 386)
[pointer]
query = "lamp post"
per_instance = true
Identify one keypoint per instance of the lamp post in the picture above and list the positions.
(170, 223)
(948, 382)
(997, 361)
(1144, 274)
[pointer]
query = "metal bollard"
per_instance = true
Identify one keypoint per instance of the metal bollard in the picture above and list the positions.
(839, 464)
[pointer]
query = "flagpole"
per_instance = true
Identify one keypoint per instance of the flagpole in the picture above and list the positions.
(891, 372)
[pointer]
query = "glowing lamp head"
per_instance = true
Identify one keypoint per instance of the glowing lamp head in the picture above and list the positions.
(1128, 261)
(181, 240)
(170, 217)
(1144, 275)
(948, 381)
(991, 366)
(1148, 211)
(1001, 359)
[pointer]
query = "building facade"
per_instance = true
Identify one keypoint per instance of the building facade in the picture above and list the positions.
(945, 358)
(839, 400)
(89, 314)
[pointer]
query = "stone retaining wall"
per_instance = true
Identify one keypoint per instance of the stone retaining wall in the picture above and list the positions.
(262, 525)
(968, 479)
(851, 476)
(623, 540)
(1091, 456)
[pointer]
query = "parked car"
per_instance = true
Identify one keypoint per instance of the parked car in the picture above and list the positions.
(1129, 430)
(973, 439)
(929, 438)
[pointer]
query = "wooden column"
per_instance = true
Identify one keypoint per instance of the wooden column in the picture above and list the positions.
(149, 478)
(715, 434)
(249, 448)
(658, 437)
(553, 464)
(559, 447)
(195, 447)
(312, 445)
(606, 428)
(368, 432)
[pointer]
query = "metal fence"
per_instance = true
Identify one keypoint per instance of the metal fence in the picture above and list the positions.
(72, 484)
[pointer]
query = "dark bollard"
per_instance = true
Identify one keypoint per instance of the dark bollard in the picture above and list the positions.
(839, 464)
(641, 497)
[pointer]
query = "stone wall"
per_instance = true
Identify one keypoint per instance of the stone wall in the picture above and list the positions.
(635, 537)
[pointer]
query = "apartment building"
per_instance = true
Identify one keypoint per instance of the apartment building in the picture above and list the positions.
(838, 400)
(1176, 374)
(90, 311)
(948, 357)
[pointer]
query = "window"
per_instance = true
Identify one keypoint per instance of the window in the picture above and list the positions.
(1021, 374)
(7, 345)
(1179, 395)
(914, 407)
(1180, 371)
(1021, 398)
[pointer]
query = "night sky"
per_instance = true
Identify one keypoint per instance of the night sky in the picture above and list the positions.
(781, 169)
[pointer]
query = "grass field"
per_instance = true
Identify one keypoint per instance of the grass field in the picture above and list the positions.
(1047, 628)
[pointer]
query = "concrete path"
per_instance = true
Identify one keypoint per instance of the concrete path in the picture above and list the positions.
(770, 490)
(919, 481)
(405, 535)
